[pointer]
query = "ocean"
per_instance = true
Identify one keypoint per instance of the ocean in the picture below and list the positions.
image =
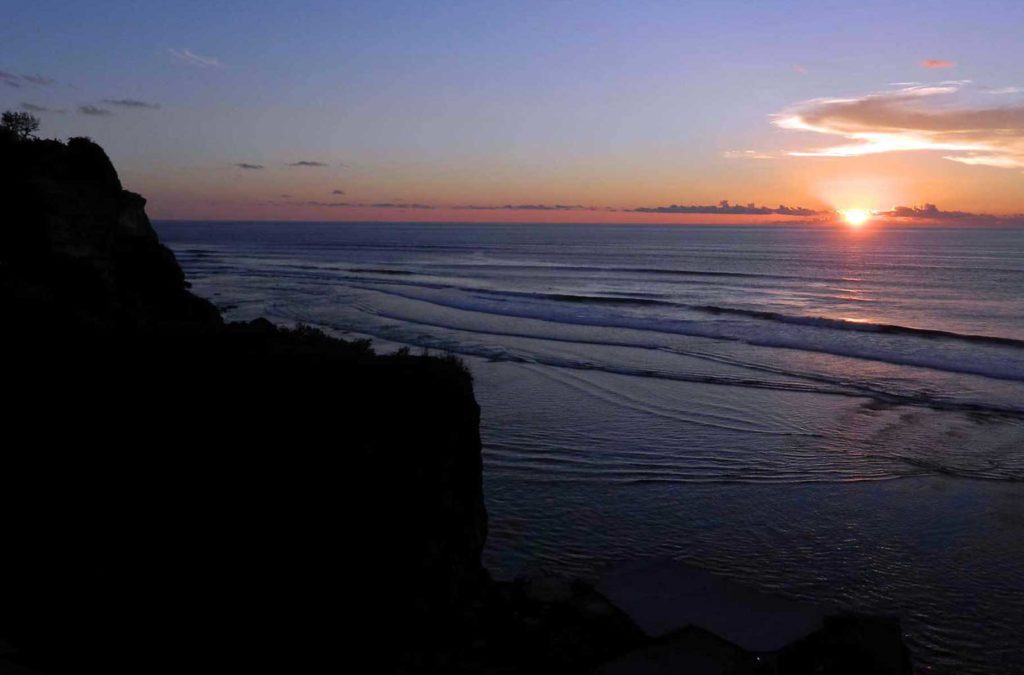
(829, 414)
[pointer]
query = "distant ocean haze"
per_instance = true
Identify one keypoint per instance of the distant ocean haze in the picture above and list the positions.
(828, 414)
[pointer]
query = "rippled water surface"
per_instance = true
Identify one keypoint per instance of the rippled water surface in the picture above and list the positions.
(829, 415)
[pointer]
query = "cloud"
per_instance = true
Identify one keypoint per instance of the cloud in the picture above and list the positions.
(913, 118)
(929, 211)
(378, 205)
(800, 70)
(93, 110)
(39, 79)
(724, 207)
(337, 192)
(304, 162)
(189, 57)
(244, 165)
(16, 81)
(398, 204)
(131, 103)
(932, 213)
(980, 159)
(32, 107)
(1003, 91)
(525, 207)
(746, 154)
(937, 63)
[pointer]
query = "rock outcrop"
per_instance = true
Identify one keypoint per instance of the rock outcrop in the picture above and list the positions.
(76, 247)
(182, 494)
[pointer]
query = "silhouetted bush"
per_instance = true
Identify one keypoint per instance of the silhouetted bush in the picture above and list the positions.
(456, 363)
(19, 124)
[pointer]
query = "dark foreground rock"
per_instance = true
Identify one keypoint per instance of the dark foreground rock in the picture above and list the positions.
(181, 494)
(848, 644)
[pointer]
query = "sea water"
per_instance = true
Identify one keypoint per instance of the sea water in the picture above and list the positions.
(829, 414)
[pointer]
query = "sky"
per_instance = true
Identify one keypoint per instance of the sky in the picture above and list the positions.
(526, 111)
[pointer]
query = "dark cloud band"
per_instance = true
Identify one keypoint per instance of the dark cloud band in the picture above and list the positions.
(724, 207)
(93, 110)
(131, 103)
(35, 108)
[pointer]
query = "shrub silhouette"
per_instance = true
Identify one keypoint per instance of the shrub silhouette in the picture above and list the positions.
(20, 125)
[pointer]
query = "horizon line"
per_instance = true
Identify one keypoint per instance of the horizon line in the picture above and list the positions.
(838, 225)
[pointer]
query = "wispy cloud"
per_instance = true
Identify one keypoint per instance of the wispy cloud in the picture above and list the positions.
(93, 110)
(524, 207)
(913, 118)
(245, 165)
(305, 162)
(398, 204)
(377, 205)
(724, 207)
(746, 154)
(39, 79)
(1003, 91)
(17, 81)
(937, 63)
(932, 213)
(981, 159)
(10, 79)
(32, 107)
(799, 70)
(131, 103)
(189, 57)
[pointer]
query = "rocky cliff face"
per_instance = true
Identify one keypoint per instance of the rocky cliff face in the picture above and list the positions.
(181, 493)
(184, 495)
(75, 246)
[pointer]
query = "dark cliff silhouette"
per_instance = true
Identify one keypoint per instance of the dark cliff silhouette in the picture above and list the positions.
(183, 494)
(178, 490)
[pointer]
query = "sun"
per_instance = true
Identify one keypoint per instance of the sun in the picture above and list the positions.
(856, 217)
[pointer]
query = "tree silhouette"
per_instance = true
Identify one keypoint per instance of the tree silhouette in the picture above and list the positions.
(20, 124)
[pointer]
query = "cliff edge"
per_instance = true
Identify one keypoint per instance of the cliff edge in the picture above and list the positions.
(76, 248)
(182, 492)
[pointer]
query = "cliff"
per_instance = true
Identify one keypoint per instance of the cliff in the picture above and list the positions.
(184, 492)
(77, 248)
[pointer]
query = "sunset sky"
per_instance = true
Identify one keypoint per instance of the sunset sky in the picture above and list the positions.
(583, 111)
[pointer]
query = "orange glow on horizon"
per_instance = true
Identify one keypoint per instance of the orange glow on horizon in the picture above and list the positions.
(856, 218)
